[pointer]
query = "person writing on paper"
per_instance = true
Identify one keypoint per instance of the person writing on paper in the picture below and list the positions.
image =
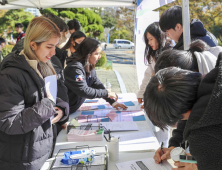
(26, 134)
(155, 41)
(197, 59)
(81, 79)
(188, 96)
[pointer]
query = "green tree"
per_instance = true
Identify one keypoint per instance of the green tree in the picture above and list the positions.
(125, 20)
(12, 16)
(120, 34)
(217, 31)
(109, 18)
(90, 21)
(208, 11)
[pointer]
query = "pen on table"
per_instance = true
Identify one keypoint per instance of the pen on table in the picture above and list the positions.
(161, 152)
(106, 138)
(109, 134)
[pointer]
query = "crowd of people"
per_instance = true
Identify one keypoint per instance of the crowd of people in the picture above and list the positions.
(29, 119)
(181, 88)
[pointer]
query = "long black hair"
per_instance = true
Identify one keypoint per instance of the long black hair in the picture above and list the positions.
(87, 47)
(160, 36)
(74, 36)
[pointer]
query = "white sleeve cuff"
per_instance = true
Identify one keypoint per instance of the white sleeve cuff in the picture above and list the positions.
(114, 104)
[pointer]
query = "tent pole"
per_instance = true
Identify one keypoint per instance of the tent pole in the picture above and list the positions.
(186, 24)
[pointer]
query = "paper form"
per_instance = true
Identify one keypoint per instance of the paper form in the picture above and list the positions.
(144, 164)
(120, 126)
(110, 116)
(137, 141)
(137, 136)
(51, 87)
(131, 108)
(114, 126)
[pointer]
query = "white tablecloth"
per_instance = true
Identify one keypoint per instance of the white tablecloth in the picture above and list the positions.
(126, 153)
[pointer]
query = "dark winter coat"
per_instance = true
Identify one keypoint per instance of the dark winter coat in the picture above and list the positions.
(85, 87)
(25, 126)
(204, 126)
(61, 55)
(62, 89)
(197, 31)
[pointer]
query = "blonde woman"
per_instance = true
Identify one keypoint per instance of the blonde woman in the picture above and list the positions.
(26, 135)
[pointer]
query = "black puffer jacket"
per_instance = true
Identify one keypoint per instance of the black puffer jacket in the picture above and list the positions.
(62, 55)
(86, 87)
(25, 127)
(62, 89)
(197, 31)
(204, 126)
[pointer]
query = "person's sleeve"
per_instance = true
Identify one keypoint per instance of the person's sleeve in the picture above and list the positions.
(64, 106)
(147, 75)
(177, 135)
(76, 82)
(15, 118)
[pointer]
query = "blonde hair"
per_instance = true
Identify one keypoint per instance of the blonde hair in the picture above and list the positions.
(40, 29)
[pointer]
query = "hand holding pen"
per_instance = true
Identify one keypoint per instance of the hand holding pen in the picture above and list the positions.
(161, 151)
(162, 154)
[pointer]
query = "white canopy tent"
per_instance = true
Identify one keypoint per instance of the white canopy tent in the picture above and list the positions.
(42, 4)
(145, 8)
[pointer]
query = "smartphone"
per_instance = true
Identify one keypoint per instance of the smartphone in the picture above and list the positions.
(187, 159)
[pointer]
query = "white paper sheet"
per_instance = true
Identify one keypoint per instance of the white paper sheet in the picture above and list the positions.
(120, 126)
(143, 164)
(138, 141)
(51, 87)
(115, 126)
(131, 108)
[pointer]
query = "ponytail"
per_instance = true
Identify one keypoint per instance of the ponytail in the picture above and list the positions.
(198, 46)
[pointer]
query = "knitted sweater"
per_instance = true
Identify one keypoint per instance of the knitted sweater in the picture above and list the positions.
(204, 126)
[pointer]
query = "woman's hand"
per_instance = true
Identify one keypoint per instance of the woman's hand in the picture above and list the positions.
(121, 106)
(140, 100)
(113, 95)
(166, 154)
(185, 166)
(59, 113)
(64, 126)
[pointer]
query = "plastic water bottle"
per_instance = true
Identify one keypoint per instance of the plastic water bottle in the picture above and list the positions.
(107, 85)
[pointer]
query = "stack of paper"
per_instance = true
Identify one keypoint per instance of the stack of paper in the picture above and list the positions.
(85, 135)
(144, 140)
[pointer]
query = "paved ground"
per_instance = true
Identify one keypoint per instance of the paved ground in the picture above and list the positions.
(123, 62)
(110, 76)
(129, 76)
